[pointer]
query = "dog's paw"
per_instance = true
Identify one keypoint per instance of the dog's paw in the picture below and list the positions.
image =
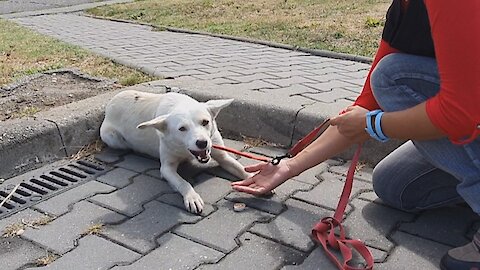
(193, 202)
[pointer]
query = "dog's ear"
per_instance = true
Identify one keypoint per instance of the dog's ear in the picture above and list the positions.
(214, 106)
(159, 123)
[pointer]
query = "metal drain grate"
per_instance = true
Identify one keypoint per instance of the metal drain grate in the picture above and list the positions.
(37, 188)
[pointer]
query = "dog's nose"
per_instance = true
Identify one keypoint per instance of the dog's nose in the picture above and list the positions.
(201, 144)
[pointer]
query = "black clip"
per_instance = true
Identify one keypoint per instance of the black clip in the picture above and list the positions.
(276, 160)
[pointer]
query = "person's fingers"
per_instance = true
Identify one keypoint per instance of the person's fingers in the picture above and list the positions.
(255, 167)
(334, 120)
(245, 182)
(248, 189)
(251, 190)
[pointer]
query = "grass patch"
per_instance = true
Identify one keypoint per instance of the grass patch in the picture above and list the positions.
(94, 229)
(17, 229)
(24, 52)
(27, 111)
(46, 260)
(347, 26)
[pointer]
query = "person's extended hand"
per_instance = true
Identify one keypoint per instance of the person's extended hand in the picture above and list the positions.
(268, 177)
(351, 123)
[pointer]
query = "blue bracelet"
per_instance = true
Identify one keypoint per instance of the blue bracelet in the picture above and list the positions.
(369, 128)
(376, 133)
(378, 127)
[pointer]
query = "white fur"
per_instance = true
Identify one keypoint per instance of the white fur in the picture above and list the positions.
(168, 126)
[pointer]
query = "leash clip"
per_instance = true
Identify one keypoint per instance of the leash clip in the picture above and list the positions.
(276, 160)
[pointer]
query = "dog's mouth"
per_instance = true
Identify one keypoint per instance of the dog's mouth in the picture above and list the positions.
(202, 156)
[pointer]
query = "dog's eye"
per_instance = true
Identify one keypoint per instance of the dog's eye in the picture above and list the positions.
(182, 128)
(205, 122)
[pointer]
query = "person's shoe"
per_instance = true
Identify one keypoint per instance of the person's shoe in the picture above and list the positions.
(463, 258)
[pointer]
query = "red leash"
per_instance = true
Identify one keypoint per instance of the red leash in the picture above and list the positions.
(324, 231)
(236, 152)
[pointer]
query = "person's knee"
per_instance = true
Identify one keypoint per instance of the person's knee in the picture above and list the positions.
(384, 187)
(381, 79)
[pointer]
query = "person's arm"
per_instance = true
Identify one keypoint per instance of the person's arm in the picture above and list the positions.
(366, 98)
(327, 145)
(456, 34)
(454, 111)
(269, 176)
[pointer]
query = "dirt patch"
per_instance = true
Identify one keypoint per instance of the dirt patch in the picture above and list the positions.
(43, 91)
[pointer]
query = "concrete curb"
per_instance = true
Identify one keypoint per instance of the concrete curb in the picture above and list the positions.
(31, 142)
(59, 133)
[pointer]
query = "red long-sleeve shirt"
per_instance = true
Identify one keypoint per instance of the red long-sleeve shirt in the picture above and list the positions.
(455, 28)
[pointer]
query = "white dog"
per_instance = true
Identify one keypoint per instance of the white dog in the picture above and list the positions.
(172, 127)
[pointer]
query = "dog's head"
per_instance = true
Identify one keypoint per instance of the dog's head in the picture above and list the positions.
(189, 129)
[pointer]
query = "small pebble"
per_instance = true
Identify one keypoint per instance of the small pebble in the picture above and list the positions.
(238, 207)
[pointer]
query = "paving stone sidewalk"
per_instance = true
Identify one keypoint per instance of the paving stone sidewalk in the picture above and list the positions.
(127, 217)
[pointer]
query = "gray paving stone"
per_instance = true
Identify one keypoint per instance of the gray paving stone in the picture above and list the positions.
(110, 155)
(60, 235)
(446, 225)
(413, 253)
(118, 177)
(129, 200)
(249, 78)
(176, 200)
(287, 72)
(312, 176)
(315, 261)
(101, 253)
(294, 80)
(257, 253)
(219, 229)
(332, 185)
(329, 95)
(363, 171)
(28, 215)
(293, 227)
(60, 204)
(16, 252)
(139, 233)
(292, 90)
(138, 164)
(318, 259)
(187, 255)
(210, 188)
(223, 74)
(372, 223)
(270, 204)
(371, 197)
(268, 151)
(186, 170)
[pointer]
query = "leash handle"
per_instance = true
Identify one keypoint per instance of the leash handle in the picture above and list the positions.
(324, 231)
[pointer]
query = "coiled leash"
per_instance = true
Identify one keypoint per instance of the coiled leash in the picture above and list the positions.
(324, 231)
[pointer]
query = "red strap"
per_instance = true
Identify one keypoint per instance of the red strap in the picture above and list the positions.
(247, 155)
(324, 231)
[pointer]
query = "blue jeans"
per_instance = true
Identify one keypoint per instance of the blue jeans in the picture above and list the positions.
(421, 174)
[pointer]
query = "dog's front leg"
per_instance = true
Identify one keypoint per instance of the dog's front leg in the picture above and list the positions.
(193, 202)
